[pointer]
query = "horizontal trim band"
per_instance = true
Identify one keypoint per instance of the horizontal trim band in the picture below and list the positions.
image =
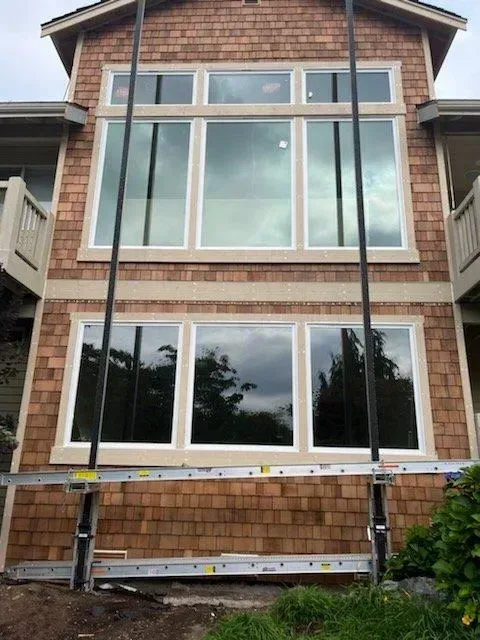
(429, 292)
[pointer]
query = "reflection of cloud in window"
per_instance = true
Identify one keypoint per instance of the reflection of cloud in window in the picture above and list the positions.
(380, 184)
(261, 355)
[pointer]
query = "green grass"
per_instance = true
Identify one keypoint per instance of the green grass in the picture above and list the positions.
(360, 613)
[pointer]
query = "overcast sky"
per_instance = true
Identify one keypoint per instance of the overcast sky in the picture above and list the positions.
(31, 69)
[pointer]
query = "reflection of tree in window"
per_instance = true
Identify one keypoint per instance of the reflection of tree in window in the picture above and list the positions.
(218, 417)
(140, 394)
(339, 401)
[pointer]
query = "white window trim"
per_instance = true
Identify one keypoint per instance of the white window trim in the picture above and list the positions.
(345, 69)
(400, 181)
(99, 179)
(68, 442)
(151, 72)
(421, 450)
(201, 188)
(216, 72)
(191, 379)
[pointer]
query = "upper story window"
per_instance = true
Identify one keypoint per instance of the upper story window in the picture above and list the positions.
(252, 165)
(154, 88)
(156, 188)
(334, 86)
(249, 88)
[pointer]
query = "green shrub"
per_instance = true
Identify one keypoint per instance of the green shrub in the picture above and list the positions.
(417, 556)
(302, 606)
(248, 626)
(458, 566)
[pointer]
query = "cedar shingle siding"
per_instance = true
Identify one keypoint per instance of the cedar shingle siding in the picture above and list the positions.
(273, 516)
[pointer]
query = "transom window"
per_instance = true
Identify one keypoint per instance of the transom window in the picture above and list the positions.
(247, 385)
(154, 88)
(242, 163)
(334, 86)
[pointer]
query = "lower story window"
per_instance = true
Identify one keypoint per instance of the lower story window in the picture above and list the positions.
(141, 383)
(246, 385)
(338, 387)
(243, 385)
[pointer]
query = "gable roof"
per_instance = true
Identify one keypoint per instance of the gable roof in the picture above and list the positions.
(441, 24)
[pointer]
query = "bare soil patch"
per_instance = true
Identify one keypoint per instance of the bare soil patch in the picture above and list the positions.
(52, 612)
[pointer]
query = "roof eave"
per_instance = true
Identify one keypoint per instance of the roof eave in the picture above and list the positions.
(66, 112)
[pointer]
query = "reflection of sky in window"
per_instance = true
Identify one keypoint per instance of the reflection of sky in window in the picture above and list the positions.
(382, 208)
(247, 193)
(123, 339)
(168, 187)
(326, 342)
(249, 88)
(261, 355)
(372, 87)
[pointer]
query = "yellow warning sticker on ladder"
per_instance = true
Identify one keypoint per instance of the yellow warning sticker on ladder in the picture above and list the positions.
(143, 473)
(209, 569)
(265, 469)
(326, 566)
(85, 474)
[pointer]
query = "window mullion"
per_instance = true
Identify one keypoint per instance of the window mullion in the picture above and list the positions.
(196, 182)
(302, 388)
(183, 387)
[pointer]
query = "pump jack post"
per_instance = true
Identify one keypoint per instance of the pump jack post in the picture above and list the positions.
(378, 519)
(88, 517)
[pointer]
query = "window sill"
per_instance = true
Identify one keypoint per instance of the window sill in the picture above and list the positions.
(280, 256)
(163, 456)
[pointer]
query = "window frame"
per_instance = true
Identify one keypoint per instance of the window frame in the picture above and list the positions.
(199, 112)
(421, 450)
(400, 182)
(152, 72)
(188, 445)
(99, 177)
(75, 444)
(199, 214)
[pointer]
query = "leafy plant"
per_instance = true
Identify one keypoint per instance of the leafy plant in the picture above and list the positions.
(8, 441)
(458, 545)
(417, 556)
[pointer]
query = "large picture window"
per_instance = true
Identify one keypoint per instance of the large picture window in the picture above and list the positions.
(236, 164)
(141, 383)
(248, 185)
(211, 387)
(243, 386)
(338, 387)
(156, 189)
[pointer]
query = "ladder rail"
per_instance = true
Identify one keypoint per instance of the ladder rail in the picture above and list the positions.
(82, 479)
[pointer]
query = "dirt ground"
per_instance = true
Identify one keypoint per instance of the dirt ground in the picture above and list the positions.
(38, 611)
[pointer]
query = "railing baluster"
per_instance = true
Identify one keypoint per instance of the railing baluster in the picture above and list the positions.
(466, 229)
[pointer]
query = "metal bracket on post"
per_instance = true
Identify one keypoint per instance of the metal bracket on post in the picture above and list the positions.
(84, 541)
(379, 523)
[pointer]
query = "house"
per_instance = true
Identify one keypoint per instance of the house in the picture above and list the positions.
(237, 336)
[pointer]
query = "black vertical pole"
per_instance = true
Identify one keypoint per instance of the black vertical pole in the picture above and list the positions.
(379, 523)
(86, 525)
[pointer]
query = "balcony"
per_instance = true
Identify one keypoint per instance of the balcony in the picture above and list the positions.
(25, 235)
(464, 237)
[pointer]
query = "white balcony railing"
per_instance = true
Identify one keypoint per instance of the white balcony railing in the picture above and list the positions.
(464, 233)
(25, 235)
